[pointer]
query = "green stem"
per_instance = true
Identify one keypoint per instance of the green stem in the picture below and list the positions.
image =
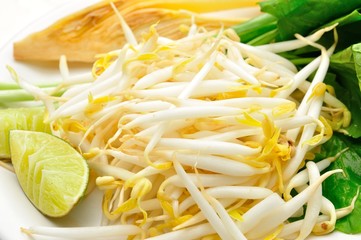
(255, 27)
(18, 95)
(301, 61)
(10, 86)
(264, 38)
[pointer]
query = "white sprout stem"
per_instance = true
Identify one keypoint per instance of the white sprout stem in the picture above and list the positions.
(230, 192)
(237, 70)
(231, 135)
(190, 233)
(216, 164)
(148, 106)
(128, 33)
(153, 78)
(319, 77)
(207, 180)
(208, 147)
(287, 72)
(37, 92)
(249, 102)
(206, 88)
(77, 103)
(254, 215)
(165, 41)
(75, 90)
(195, 219)
(302, 148)
(340, 213)
(104, 117)
(125, 157)
(193, 29)
(147, 172)
(239, 192)
(202, 203)
(282, 213)
(294, 44)
(313, 205)
(108, 170)
(189, 89)
(74, 84)
(327, 225)
(171, 129)
(271, 57)
(84, 232)
(314, 111)
(300, 77)
(329, 99)
(181, 113)
(302, 177)
(234, 54)
(147, 205)
(196, 37)
(117, 65)
(230, 225)
(160, 129)
(290, 229)
(150, 220)
(63, 68)
(199, 217)
(243, 103)
(303, 74)
(81, 78)
(294, 122)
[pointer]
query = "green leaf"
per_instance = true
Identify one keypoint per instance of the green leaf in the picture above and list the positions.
(339, 188)
(303, 16)
(348, 25)
(347, 67)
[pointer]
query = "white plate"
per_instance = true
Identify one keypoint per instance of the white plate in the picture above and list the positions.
(37, 71)
(15, 209)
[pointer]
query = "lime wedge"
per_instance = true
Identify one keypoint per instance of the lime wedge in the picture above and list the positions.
(22, 119)
(53, 175)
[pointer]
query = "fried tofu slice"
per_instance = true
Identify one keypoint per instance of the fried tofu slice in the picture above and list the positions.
(95, 30)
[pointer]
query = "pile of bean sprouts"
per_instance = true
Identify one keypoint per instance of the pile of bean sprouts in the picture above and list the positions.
(201, 138)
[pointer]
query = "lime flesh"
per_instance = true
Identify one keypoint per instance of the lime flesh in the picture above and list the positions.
(22, 119)
(53, 175)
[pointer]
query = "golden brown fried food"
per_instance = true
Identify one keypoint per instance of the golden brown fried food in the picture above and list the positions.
(96, 29)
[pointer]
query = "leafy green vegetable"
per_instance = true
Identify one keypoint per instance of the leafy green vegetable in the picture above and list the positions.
(348, 25)
(282, 19)
(339, 188)
(303, 16)
(347, 67)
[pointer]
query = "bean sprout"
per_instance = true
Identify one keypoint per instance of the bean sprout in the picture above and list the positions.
(202, 136)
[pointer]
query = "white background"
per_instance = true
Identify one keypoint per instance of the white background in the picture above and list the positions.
(17, 14)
